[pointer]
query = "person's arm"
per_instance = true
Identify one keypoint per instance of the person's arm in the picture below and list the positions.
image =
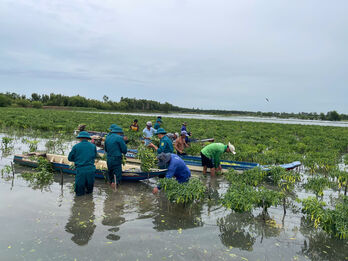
(71, 156)
(123, 147)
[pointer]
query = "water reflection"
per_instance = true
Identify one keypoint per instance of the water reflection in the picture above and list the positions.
(320, 246)
(113, 211)
(81, 221)
(169, 216)
(242, 230)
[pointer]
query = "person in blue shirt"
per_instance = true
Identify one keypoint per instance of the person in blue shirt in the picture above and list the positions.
(176, 168)
(83, 155)
(183, 128)
(114, 147)
(166, 145)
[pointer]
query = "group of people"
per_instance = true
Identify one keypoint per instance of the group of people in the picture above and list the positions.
(84, 154)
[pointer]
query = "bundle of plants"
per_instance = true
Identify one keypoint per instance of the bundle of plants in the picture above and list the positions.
(147, 158)
(332, 220)
(43, 174)
(185, 193)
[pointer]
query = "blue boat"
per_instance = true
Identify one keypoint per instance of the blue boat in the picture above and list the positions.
(225, 164)
(61, 163)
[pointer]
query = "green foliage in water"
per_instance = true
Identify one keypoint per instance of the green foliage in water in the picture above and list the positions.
(284, 179)
(147, 158)
(333, 221)
(6, 143)
(32, 144)
(317, 185)
(43, 174)
(187, 192)
(243, 198)
(252, 177)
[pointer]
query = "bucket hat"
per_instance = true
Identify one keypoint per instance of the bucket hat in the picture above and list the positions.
(113, 126)
(84, 134)
(160, 131)
(163, 160)
(184, 133)
(117, 130)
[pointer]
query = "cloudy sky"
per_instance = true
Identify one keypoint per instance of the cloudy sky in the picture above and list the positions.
(216, 54)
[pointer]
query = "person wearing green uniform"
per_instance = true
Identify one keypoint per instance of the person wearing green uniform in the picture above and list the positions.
(114, 147)
(158, 123)
(83, 155)
(166, 145)
(211, 155)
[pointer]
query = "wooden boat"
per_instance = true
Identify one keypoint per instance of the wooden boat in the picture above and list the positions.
(130, 172)
(194, 162)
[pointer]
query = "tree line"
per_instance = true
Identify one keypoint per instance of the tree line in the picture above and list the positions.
(131, 104)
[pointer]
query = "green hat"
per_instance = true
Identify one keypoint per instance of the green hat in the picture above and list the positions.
(84, 134)
(117, 130)
(160, 131)
(113, 126)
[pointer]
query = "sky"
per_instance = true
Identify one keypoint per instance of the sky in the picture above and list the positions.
(216, 54)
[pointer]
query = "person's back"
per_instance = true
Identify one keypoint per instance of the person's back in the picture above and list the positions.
(83, 154)
(166, 145)
(178, 169)
(115, 145)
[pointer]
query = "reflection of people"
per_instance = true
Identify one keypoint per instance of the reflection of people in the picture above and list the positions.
(148, 132)
(180, 143)
(211, 155)
(113, 211)
(115, 147)
(166, 144)
(81, 221)
(84, 154)
(176, 168)
(134, 126)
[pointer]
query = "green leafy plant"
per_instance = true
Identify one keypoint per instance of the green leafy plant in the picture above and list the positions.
(187, 192)
(333, 221)
(6, 143)
(147, 158)
(317, 185)
(32, 144)
(43, 174)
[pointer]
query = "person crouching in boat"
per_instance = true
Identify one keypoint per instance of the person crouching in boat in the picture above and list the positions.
(166, 145)
(211, 155)
(176, 168)
(84, 154)
(114, 147)
(134, 126)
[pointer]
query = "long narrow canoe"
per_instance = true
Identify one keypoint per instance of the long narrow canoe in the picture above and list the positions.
(60, 163)
(194, 162)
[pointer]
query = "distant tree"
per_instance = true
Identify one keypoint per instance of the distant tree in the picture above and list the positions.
(322, 116)
(36, 104)
(333, 116)
(5, 100)
(35, 97)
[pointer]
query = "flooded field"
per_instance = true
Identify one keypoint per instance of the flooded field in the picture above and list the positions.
(233, 118)
(50, 223)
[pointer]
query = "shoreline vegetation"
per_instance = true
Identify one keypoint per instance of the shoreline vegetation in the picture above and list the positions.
(62, 102)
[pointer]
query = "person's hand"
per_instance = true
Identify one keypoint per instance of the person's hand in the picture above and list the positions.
(125, 138)
(155, 190)
(219, 168)
(113, 185)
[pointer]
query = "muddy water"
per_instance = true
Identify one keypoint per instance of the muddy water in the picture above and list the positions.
(133, 224)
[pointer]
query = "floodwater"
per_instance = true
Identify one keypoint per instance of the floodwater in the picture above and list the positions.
(234, 118)
(134, 224)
